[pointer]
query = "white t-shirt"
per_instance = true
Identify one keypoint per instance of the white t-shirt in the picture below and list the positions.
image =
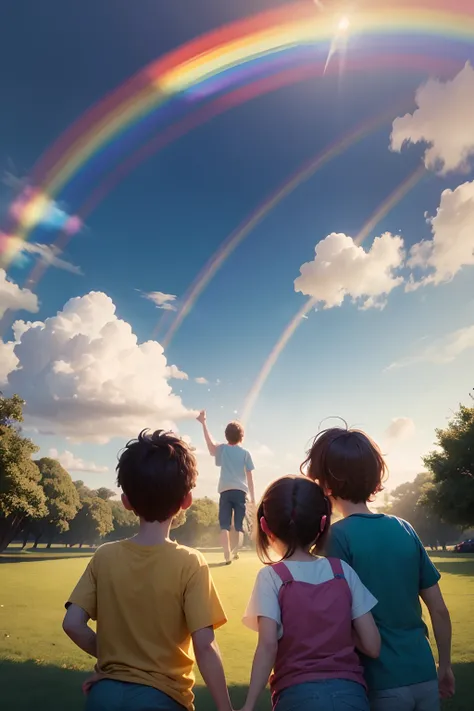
(264, 599)
(234, 462)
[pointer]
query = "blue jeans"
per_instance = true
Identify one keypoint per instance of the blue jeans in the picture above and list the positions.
(417, 697)
(110, 695)
(329, 695)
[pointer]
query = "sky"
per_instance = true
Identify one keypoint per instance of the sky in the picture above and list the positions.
(388, 343)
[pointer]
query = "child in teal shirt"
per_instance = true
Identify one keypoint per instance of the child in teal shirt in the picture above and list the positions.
(392, 563)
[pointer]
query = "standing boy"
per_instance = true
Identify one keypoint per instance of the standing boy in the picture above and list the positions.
(235, 482)
(150, 596)
(392, 563)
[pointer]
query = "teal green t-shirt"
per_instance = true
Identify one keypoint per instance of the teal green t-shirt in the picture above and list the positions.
(392, 563)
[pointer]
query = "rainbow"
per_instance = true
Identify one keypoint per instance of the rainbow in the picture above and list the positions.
(306, 171)
(291, 42)
(379, 214)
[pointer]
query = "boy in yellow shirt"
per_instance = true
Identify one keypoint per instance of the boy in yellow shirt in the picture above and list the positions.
(151, 597)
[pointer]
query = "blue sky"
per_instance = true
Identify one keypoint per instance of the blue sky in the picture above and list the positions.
(157, 229)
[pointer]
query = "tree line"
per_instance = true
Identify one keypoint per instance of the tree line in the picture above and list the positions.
(40, 501)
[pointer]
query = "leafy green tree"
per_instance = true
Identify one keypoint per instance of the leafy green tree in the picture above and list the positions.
(451, 495)
(202, 523)
(21, 496)
(93, 521)
(125, 523)
(104, 493)
(407, 502)
(62, 501)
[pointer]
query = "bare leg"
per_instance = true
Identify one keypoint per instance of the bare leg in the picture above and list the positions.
(238, 540)
(234, 539)
(225, 543)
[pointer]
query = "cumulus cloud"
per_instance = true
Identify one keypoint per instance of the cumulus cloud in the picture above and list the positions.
(442, 350)
(71, 463)
(161, 300)
(8, 360)
(444, 120)
(84, 375)
(341, 268)
(15, 298)
(174, 373)
(400, 428)
(452, 244)
(201, 381)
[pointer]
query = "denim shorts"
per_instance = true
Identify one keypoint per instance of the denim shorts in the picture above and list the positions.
(417, 697)
(110, 695)
(232, 501)
(328, 695)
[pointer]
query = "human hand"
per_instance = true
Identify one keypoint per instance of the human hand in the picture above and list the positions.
(201, 417)
(90, 681)
(446, 682)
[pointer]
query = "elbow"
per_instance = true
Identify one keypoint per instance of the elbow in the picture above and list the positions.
(72, 628)
(373, 649)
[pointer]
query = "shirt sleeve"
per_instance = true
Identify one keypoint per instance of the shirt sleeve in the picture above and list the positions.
(263, 601)
(202, 606)
(337, 545)
(248, 462)
(84, 594)
(218, 455)
(429, 575)
(362, 599)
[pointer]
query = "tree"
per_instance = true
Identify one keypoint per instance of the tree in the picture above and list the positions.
(21, 495)
(201, 526)
(125, 523)
(451, 495)
(62, 501)
(104, 493)
(93, 521)
(407, 501)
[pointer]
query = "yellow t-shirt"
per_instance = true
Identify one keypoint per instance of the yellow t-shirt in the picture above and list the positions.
(147, 601)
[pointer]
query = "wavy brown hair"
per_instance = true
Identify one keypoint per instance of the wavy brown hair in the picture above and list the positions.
(234, 433)
(347, 464)
(156, 472)
(293, 507)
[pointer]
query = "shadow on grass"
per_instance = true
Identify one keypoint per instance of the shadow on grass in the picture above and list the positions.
(33, 555)
(456, 567)
(26, 686)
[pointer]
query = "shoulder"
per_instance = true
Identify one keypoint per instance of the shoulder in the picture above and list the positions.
(189, 558)
(107, 551)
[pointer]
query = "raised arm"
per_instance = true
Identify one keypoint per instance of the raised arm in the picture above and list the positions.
(441, 622)
(76, 627)
(211, 445)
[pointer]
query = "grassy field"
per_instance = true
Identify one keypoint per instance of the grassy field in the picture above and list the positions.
(41, 669)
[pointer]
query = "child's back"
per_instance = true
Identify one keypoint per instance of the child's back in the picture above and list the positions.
(148, 600)
(393, 564)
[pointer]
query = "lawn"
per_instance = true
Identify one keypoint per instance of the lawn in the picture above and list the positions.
(41, 669)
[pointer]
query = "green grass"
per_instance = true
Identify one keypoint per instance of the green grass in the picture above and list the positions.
(41, 669)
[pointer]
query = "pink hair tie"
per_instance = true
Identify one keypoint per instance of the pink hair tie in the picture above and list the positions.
(322, 525)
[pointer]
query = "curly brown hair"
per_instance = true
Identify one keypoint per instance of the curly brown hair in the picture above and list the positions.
(234, 433)
(156, 472)
(347, 464)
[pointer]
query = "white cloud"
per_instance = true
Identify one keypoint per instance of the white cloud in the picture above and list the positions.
(84, 375)
(443, 350)
(400, 428)
(161, 300)
(261, 450)
(341, 268)
(8, 360)
(71, 463)
(201, 381)
(452, 244)
(15, 298)
(49, 255)
(174, 373)
(444, 119)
